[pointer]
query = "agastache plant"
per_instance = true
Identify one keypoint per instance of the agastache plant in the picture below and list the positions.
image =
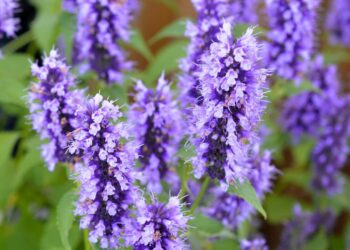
(69, 5)
(338, 22)
(8, 21)
(160, 226)
(101, 25)
(232, 210)
(232, 85)
(257, 243)
(105, 173)
(331, 150)
(211, 15)
(302, 113)
(291, 37)
(245, 11)
(52, 106)
(157, 127)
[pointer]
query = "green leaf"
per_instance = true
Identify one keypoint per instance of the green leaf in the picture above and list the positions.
(318, 242)
(174, 29)
(279, 208)
(166, 60)
(205, 224)
(225, 244)
(241, 28)
(67, 25)
(15, 66)
(138, 43)
(336, 55)
(247, 192)
(7, 142)
(65, 217)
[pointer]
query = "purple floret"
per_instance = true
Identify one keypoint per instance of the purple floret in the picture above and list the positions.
(302, 114)
(232, 85)
(160, 226)
(101, 25)
(52, 106)
(8, 21)
(292, 36)
(157, 127)
(331, 150)
(338, 22)
(257, 243)
(106, 173)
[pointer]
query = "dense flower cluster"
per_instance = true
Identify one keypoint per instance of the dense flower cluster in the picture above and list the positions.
(101, 24)
(330, 152)
(303, 226)
(211, 15)
(157, 126)
(254, 244)
(338, 22)
(291, 39)
(52, 107)
(245, 11)
(106, 174)
(233, 89)
(303, 113)
(232, 210)
(160, 226)
(8, 22)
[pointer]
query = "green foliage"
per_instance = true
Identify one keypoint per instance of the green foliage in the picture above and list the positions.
(174, 29)
(247, 192)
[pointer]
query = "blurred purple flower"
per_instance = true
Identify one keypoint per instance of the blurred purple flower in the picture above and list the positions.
(8, 22)
(52, 106)
(330, 153)
(160, 226)
(302, 113)
(258, 243)
(157, 126)
(291, 38)
(101, 25)
(70, 5)
(303, 226)
(232, 85)
(338, 22)
(106, 174)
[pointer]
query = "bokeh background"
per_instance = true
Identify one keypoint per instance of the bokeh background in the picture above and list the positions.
(31, 206)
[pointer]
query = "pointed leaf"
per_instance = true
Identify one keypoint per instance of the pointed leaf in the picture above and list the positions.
(174, 29)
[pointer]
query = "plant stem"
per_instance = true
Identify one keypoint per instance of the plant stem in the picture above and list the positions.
(199, 198)
(18, 43)
(87, 245)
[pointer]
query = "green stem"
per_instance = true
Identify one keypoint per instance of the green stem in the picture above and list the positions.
(87, 245)
(199, 198)
(18, 43)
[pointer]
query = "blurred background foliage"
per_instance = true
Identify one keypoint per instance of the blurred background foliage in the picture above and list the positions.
(36, 205)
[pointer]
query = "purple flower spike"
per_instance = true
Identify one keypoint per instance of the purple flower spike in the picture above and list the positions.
(254, 244)
(52, 107)
(70, 5)
(157, 127)
(8, 22)
(232, 85)
(303, 226)
(106, 174)
(101, 24)
(161, 226)
(291, 39)
(338, 22)
(211, 15)
(232, 210)
(302, 114)
(330, 152)
(245, 11)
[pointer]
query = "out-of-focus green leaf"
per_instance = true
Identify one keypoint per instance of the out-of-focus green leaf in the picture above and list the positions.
(336, 55)
(205, 224)
(318, 242)
(14, 66)
(298, 177)
(174, 29)
(279, 208)
(166, 60)
(7, 142)
(138, 43)
(224, 244)
(65, 217)
(247, 192)
(67, 25)
(186, 152)
(283, 88)
(46, 24)
(302, 152)
(50, 238)
(241, 28)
